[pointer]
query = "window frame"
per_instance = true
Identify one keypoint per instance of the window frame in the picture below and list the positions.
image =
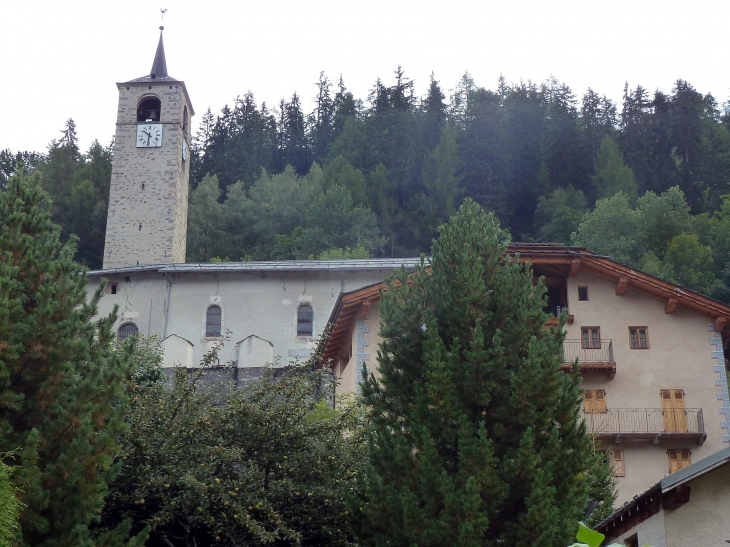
(638, 331)
(127, 324)
(209, 333)
(593, 342)
(301, 321)
(583, 288)
(618, 464)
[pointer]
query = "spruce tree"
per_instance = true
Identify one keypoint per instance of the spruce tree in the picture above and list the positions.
(476, 438)
(62, 398)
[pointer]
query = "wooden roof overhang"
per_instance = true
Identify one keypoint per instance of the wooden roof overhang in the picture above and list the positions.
(348, 308)
(548, 260)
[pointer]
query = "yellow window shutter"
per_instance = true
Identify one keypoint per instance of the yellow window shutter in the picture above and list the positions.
(618, 463)
(673, 461)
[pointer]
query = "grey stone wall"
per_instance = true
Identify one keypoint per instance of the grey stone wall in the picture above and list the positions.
(148, 199)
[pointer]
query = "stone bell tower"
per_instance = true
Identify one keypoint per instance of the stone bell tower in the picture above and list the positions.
(148, 201)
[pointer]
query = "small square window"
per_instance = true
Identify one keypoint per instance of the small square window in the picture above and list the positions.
(583, 294)
(638, 338)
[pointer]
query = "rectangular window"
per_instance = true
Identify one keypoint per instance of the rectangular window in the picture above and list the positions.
(594, 401)
(638, 338)
(583, 294)
(679, 459)
(590, 337)
(617, 461)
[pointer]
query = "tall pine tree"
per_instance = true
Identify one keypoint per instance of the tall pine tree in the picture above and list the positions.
(62, 397)
(476, 438)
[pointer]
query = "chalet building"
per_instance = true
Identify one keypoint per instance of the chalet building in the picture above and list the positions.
(650, 354)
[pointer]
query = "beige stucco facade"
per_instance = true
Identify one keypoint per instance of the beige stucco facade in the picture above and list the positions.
(680, 357)
(363, 352)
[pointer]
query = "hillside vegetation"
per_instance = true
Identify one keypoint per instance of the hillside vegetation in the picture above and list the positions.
(644, 181)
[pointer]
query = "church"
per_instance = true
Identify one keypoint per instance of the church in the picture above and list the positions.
(268, 312)
(650, 352)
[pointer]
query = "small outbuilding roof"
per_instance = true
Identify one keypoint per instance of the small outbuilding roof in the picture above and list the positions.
(670, 492)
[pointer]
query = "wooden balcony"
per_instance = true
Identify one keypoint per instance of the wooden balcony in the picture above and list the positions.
(595, 360)
(647, 424)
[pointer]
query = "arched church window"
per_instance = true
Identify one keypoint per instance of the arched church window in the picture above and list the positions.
(185, 121)
(148, 110)
(213, 321)
(126, 330)
(305, 320)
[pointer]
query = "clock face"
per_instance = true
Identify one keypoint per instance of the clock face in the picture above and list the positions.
(185, 150)
(149, 135)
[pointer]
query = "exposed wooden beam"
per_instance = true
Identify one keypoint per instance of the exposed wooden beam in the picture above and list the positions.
(720, 323)
(671, 305)
(364, 309)
(574, 267)
(622, 284)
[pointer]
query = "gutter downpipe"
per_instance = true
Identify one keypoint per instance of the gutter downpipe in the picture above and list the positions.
(167, 305)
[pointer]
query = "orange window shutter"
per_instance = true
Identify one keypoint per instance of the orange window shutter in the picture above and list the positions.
(600, 404)
(588, 401)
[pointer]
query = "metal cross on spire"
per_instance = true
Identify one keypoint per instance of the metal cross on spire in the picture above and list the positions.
(162, 11)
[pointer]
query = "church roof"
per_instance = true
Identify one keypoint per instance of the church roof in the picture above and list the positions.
(267, 266)
(158, 73)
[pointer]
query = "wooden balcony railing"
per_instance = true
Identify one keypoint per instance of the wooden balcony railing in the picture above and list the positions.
(654, 424)
(597, 359)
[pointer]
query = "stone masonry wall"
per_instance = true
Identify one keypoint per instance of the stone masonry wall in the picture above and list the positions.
(148, 199)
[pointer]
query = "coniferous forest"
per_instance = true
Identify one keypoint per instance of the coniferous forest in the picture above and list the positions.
(646, 181)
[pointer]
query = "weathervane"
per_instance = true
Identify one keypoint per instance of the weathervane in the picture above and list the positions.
(162, 11)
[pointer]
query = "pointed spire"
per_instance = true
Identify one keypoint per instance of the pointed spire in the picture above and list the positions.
(159, 66)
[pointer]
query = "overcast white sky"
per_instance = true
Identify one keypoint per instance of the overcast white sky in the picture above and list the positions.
(61, 59)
